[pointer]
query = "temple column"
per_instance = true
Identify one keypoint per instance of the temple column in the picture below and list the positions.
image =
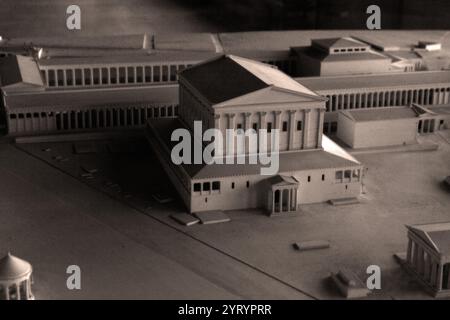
(439, 277)
(306, 114)
(320, 131)
(409, 251)
(292, 118)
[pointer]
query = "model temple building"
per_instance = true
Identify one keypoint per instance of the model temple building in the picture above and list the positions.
(323, 107)
(15, 278)
(428, 256)
(231, 92)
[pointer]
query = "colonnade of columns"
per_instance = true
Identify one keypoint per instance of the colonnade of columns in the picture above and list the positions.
(427, 266)
(284, 199)
(20, 290)
(111, 75)
(96, 118)
(298, 135)
(372, 99)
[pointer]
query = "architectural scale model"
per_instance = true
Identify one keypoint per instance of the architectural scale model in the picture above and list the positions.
(354, 127)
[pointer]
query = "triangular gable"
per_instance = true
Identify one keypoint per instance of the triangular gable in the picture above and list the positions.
(269, 95)
(281, 180)
(424, 236)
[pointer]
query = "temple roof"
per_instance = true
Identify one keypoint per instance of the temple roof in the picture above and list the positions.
(12, 267)
(228, 77)
(436, 235)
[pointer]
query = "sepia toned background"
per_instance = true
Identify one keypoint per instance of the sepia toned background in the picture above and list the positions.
(27, 18)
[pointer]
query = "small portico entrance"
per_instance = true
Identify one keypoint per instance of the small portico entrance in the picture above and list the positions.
(282, 197)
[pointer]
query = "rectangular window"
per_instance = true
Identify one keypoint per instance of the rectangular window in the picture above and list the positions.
(309, 178)
(323, 177)
(325, 127)
(347, 174)
(338, 176)
(239, 126)
(285, 125)
(216, 185)
(269, 127)
(299, 126)
(206, 186)
(232, 185)
(255, 126)
(248, 184)
(197, 187)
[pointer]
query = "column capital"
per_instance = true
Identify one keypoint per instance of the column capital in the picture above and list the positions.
(262, 113)
(217, 116)
(247, 114)
(292, 111)
(278, 112)
(231, 115)
(307, 110)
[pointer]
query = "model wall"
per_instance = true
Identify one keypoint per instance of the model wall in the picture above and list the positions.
(384, 133)
(312, 189)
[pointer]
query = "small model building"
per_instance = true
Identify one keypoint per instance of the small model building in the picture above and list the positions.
(235, 93)
(339, 56)
(428, 256)
(15, 279)
(365, 128)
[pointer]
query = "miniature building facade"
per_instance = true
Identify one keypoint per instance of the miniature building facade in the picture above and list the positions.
(428, 256)
(339, 56)
(15, 279)
(365, 128)
(311, 170)
(430, 89)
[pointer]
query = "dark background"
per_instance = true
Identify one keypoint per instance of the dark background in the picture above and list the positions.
(44, 18)
(238, 15)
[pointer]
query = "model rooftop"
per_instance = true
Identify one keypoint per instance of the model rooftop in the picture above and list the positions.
(436, 235)
(340, 45)
(377, 80)
(229, 76)
(380, 114)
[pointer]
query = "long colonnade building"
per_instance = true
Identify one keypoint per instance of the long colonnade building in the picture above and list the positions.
(427, 88)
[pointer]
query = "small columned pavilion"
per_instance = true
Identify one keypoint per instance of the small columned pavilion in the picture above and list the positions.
(428, 256)
(282, 196)
(15, 279)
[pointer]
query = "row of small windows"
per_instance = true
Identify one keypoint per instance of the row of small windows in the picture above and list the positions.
(214, 186)
(343, 50)
(100, 118)
(112, 75)
(386, 98)
(348, 175)
(207, 186)
(340, 177)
